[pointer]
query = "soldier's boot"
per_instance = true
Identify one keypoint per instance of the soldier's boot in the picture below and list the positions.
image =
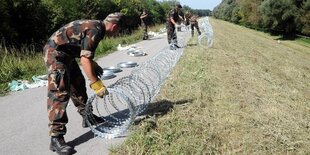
(59, 145)
(93, 120)
(145, 36)
(192, 33)
(172, 47)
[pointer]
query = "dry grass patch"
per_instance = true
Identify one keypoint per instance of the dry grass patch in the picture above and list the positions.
(246, 95)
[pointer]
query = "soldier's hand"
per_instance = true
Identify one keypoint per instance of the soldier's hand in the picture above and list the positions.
(99, 88)
(97, 69)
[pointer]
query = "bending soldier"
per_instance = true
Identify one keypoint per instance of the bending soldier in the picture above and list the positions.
(187, 16)
(77, 39)
(172, 20)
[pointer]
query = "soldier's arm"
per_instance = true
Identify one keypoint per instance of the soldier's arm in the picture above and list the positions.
(172, 21)
(88, 69)
(88, 46)
(143, 16)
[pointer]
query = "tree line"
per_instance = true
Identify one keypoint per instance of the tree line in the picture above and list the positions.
(33, 21)
(287, 17)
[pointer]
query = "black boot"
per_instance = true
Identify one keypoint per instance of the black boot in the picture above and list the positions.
(59, 145)
(93, 120)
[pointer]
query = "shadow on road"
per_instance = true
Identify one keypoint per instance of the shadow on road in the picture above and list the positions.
(191, 44)
(154, 38)
(159, 108)
(81, 139)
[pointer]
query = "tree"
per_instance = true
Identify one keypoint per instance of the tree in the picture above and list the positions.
(280, 15)
(6, 31)
(23, 21)
(250, 13)
(304, 25)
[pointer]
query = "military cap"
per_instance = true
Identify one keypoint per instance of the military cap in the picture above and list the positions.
(179, 6)
(115, 18)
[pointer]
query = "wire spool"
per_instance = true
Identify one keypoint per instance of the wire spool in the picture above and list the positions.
(107, 74)
(127, 64)
(112, 69)
(107, 77)
(136, 53)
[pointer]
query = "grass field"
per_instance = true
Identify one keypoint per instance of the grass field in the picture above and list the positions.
(248, 94)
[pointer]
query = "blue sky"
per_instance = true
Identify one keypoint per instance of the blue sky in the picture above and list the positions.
(201, 4)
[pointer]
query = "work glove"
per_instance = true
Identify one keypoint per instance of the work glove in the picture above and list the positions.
(99, 88)
(97, 69)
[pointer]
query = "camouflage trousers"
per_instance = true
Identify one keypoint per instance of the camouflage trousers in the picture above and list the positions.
(171, 33)
(65, 81)
(195, 25)
(145, 35)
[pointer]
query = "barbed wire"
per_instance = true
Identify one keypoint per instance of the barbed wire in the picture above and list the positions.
(130, 95)
(206, 37)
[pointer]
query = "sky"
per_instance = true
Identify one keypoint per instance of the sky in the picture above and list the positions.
(200, 4)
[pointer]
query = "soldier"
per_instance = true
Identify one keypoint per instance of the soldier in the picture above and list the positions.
(77, 39)
(187, 16)
(194, 24)
(179, 29)
(143, 17)
(172, 19)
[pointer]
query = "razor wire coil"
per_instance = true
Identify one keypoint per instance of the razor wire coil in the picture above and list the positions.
(207, 33)
(129, 96)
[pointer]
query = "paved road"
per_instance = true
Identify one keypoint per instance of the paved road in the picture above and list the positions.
(24, 119)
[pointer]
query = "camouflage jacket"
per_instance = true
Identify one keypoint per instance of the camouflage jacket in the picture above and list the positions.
(78, 38)
(173, 14)
(193, 19)
(187, 16)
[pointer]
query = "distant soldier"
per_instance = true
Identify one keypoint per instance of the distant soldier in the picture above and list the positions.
(143, 17)
(172, 20)
(179, 23)
(187, 16)
(77, 39)
(194, 24)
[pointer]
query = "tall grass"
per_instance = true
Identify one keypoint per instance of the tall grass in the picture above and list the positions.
(18, 64)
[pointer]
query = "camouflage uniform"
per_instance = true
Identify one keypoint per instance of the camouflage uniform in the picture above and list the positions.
(144, 25)
(171, 34)
(65, 79)
(186, 18)
(194, 24)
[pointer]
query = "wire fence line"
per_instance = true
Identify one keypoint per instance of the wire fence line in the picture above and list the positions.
(129, 96)
(206, 37)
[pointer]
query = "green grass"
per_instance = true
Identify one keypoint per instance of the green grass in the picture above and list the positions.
(18, 64)
(304, 41)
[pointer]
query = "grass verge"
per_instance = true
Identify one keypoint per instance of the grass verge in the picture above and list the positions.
(18, 64)
(248, 94)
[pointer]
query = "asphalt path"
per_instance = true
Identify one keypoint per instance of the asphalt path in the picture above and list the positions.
(23, 114)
